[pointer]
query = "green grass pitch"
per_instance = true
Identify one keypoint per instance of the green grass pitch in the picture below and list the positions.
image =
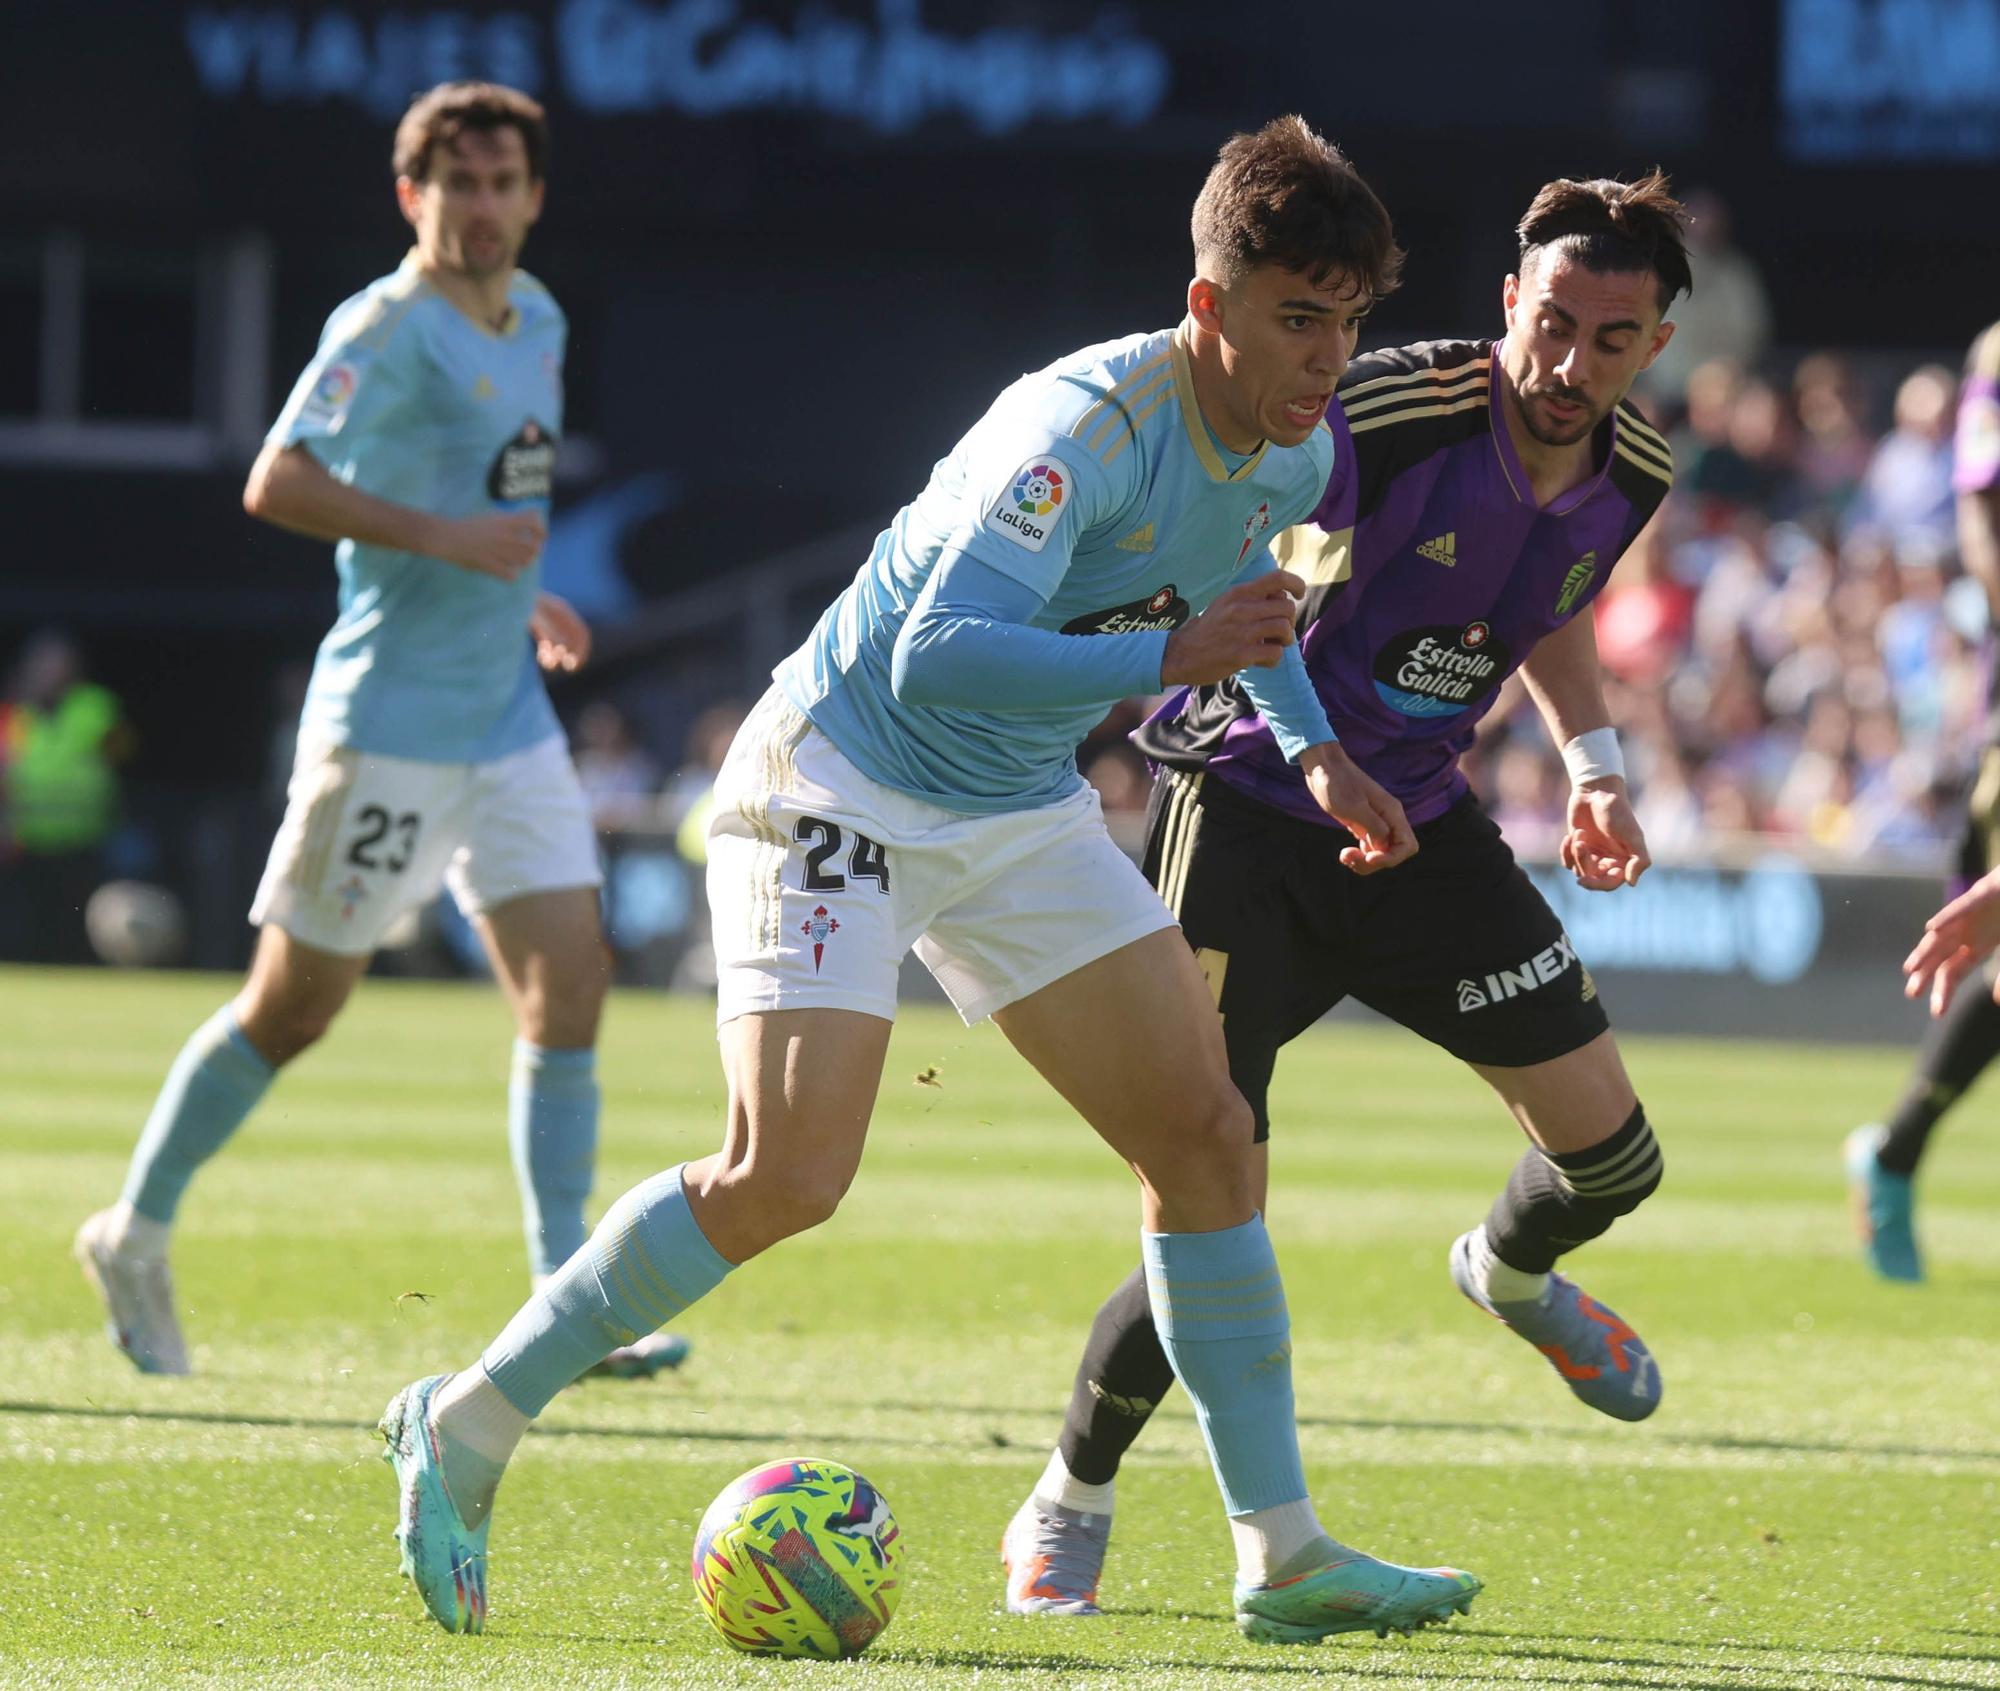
(1814, 1506)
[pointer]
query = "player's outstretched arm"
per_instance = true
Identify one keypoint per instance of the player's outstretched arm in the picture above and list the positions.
(291, 489)
(1603, 844)
(1956, 941)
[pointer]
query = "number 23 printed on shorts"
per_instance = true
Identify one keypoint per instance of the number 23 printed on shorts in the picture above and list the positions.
(382, 841)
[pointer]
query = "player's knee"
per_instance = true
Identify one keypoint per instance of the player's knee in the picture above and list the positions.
(790, 1195)
(283, 1030)
(1209, 1146)
(559, 1007)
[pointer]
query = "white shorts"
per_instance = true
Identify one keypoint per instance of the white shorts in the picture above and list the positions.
(366, 838)
(819, 879)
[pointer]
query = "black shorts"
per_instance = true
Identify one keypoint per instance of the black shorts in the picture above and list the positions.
(1456, 944)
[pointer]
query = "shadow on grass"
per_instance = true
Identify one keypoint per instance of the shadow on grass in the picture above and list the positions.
(1474, 1665)
(329, 1424)
(1502, 1429)
(1542, 1640)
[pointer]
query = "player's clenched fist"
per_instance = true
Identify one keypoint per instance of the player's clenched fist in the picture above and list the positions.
(1249, 626)
(501, 543)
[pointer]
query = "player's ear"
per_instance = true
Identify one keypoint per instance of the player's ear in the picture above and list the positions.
(1661, 335)
(409, 197)
(1510, 295)
(1204, 303)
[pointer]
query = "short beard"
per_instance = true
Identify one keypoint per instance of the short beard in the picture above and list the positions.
(1549, 434)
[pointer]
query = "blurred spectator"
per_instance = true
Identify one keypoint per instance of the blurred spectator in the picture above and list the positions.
(1834, 448)
(686, 804)
(1728, 316)
(1906, 493)
(621, 782)
(61, 738)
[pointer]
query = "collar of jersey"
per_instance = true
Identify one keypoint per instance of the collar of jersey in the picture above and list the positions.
(511, 327)
(1510, 460)
(1197, 429)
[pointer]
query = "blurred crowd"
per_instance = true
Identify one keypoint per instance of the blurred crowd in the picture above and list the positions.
(1791, 649)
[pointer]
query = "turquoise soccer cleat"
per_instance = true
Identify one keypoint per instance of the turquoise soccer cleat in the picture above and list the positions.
(1354, 1593)
(1599, 1357)
(445, 1558)
(1884, 1205)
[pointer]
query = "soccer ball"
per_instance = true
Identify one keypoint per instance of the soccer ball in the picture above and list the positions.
(799, 1558)
(134, 925)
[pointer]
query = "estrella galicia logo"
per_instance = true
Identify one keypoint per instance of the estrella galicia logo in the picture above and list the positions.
(525, 468)
(1165, 609)
(1433, 672)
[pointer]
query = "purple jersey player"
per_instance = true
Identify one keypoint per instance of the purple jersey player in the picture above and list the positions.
(1482, 492)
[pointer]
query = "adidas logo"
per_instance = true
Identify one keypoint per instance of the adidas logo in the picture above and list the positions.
(1139, 540)
(483, 388)
(1442, 550)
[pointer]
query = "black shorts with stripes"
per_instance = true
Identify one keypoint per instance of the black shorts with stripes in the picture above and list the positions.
(1456, 944)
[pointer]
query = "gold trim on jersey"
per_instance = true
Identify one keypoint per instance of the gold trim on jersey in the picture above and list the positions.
(1431, 385)
(1177, 837)
(1197, 429)
(1130, 406)
(1623, 447)
(1638, 419)
(1113, 405)
(1140, 418)
(1416, 381)
(1641, 434)
(1321, 557)
(1420, 413)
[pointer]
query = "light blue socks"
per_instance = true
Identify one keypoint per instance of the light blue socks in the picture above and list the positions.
(647, 1261)
(552, 1132)
(215, 1082)
(1219, 1306)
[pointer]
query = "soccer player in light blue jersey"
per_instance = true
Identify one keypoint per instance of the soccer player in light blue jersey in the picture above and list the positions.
(421, 438)
(911, 780)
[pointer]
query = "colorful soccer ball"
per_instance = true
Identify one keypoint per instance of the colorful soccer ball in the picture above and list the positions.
(799, 1558)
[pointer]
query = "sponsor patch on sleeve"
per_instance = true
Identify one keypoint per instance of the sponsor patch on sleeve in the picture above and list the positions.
(331, 394)
(1032, 502)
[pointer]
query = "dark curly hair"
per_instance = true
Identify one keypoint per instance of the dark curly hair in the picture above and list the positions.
(1609, 226)
(1287, 196)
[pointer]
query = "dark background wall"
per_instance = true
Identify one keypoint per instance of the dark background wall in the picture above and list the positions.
(802, 244)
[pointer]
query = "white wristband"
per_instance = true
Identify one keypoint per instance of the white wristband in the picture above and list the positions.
(1594, 756)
